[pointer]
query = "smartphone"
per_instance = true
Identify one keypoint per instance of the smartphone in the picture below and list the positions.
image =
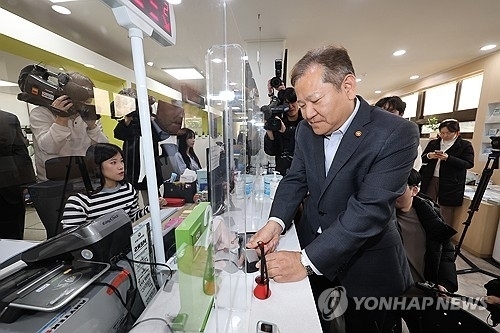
(266, 327)
(438, 151)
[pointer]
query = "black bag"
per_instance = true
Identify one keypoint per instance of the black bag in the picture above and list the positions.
(180, 190)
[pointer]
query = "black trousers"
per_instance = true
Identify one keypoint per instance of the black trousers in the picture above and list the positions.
(12, 212)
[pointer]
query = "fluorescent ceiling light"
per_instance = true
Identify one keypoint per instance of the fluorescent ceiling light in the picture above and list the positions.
(89, 65)
(378, 91)
(414, 77)
(7, 84)
(488, 47)
(399, 53)
(217, 60)
(61, 9)
(358, 79)
(184, 73)
(174, 2)
(59, 1)
(150, 63)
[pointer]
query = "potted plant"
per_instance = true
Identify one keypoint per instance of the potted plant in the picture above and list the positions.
(433, 124)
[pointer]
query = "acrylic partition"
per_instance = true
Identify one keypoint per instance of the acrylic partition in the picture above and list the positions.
(226, 100)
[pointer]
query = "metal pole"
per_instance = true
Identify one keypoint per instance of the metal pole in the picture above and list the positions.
(136, 38)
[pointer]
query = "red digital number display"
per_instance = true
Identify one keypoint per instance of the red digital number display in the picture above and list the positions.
(156, 10)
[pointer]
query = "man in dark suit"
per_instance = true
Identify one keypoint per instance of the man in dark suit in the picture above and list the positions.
(16, 169)
(351, 162)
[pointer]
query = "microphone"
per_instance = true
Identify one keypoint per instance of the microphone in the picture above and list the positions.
(76, 92)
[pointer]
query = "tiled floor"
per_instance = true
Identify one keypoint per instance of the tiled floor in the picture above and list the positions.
(471, 285)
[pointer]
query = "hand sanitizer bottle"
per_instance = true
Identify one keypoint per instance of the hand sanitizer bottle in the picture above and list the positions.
(239, 184)
(273, 185)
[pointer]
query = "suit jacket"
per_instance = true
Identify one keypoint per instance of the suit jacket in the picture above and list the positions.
(354, 204)
(16, 167)
(452, 172)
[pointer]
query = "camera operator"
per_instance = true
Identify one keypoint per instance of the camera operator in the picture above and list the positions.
(128, 130)
(280, 142)
(67, 131)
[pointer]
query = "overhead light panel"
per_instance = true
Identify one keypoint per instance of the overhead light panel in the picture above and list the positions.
(61, 9)
(488, 47)
(399, 53)
(190, 73)
(7, 84)
(414, 77)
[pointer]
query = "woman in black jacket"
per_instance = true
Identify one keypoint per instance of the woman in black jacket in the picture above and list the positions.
(446, 160)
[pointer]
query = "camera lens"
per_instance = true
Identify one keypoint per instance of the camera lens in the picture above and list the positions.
(275, 82)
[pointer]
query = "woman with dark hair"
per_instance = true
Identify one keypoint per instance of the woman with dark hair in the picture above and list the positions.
(446, 160)
(186, 158)
(112, 194)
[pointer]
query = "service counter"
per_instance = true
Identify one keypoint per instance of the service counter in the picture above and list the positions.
(480, 237)
(291, 305)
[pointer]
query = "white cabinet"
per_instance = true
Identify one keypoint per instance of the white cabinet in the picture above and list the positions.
(491, 128)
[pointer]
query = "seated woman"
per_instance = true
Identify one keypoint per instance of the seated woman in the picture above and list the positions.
(112, 194)
(186, 158)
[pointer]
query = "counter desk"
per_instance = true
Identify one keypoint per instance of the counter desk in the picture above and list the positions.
(291, 306)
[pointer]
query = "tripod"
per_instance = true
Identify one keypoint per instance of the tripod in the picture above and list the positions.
(491, 164)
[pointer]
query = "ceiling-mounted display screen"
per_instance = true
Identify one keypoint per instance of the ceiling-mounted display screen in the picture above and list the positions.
(158, 14)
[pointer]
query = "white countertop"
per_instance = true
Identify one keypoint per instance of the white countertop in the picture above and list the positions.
(291, 305)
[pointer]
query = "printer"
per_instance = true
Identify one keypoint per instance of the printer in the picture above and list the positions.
(57, 284)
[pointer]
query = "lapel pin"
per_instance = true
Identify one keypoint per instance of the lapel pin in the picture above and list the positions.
(358, 134)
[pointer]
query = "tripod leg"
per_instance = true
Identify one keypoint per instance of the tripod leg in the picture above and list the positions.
(474, 206)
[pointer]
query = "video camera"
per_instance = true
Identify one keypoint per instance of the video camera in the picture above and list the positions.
(276, 80)
(275, 108)
(278, 107)
(41, 87)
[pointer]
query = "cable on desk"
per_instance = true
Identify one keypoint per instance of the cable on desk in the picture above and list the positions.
(132, 290)
(150, 319)
(115, 291)
(151, 264)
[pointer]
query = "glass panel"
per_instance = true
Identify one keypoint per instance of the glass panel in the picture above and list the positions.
(227, 102)
(411, 105)
(440, 99)
(467, 126)
(470, 92)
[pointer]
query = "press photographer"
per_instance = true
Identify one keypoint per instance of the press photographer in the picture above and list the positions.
(128, 129)
(65, 122)
(282, 116)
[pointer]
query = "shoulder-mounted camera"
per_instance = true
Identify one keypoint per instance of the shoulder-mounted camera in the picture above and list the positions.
(40, 86)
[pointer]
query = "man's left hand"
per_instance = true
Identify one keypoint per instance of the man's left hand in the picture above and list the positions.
(285, 266)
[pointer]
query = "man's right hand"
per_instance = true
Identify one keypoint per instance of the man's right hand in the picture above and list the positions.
(269, 235)
(62, 104)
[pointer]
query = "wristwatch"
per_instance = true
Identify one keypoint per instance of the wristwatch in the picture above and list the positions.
(308, 268)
